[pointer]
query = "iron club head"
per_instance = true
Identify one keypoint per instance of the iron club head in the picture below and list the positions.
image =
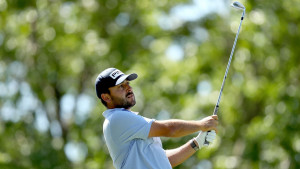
(238, 5)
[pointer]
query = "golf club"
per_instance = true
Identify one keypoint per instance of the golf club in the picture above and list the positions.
(240, 6)
(236, 5)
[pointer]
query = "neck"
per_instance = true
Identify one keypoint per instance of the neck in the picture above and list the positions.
(114, 107)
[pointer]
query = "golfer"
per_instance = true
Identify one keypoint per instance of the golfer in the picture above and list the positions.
(134, 141)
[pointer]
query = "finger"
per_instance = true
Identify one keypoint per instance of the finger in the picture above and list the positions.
(210, 139)
(216, 123)
(215, 130)
(215, 117)
(211, 136)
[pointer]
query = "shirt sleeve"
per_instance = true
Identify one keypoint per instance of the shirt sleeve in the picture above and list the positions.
(127, 126)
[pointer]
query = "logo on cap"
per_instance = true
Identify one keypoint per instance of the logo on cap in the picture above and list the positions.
(116, 74)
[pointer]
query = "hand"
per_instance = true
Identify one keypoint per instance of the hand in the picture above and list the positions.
(208, 136)
(210, 123)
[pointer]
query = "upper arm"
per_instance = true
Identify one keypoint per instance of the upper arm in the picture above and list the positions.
(127, 126)
(159, 129)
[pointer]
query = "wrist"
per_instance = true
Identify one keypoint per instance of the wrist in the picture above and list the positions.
(194, 144)
(200, 139)
(195, 141)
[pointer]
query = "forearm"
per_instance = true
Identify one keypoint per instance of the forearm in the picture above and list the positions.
(180, 154)
(179, 128)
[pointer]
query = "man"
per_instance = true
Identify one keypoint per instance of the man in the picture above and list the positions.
(132, 140)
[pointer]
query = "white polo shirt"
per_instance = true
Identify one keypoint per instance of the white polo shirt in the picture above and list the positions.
(126, 136)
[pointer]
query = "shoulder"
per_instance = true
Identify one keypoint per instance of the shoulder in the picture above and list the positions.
(121, 116)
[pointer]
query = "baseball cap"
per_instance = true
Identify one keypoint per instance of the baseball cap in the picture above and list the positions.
(111, 77)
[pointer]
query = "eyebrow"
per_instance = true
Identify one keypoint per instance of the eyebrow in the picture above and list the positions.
(125, 81)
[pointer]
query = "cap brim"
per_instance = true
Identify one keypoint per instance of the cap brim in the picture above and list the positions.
(126, 77)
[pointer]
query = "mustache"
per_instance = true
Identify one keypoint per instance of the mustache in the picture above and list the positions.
(129, 93)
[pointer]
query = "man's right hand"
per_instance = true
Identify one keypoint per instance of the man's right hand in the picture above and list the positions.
(210, 123)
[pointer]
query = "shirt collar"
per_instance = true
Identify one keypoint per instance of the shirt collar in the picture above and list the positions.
(108, 112)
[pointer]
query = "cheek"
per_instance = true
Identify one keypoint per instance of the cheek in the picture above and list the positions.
(118, 93)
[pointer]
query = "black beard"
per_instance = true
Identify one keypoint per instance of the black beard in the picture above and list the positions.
(126, 105)
(123, 103)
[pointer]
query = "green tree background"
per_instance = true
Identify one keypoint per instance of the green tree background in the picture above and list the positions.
(51, 52)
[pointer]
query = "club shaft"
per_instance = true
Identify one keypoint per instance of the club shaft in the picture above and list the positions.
(226, 72)
(228, 65)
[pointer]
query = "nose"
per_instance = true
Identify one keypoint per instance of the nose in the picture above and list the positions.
(129, 88)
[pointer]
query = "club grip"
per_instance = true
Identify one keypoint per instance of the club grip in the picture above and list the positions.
(215, 113)
(216, 110)
(205, 141)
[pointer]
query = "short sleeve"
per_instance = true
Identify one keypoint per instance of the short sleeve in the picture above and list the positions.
(127, 126)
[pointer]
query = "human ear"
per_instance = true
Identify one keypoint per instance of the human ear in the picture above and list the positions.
(105, 97)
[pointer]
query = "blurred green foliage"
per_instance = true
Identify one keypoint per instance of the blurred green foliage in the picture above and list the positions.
(51, 52)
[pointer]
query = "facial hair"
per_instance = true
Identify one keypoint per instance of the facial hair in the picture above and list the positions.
(124, 102)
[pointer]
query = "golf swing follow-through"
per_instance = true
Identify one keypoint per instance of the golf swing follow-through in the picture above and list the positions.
(240, 6)
(134, 141)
